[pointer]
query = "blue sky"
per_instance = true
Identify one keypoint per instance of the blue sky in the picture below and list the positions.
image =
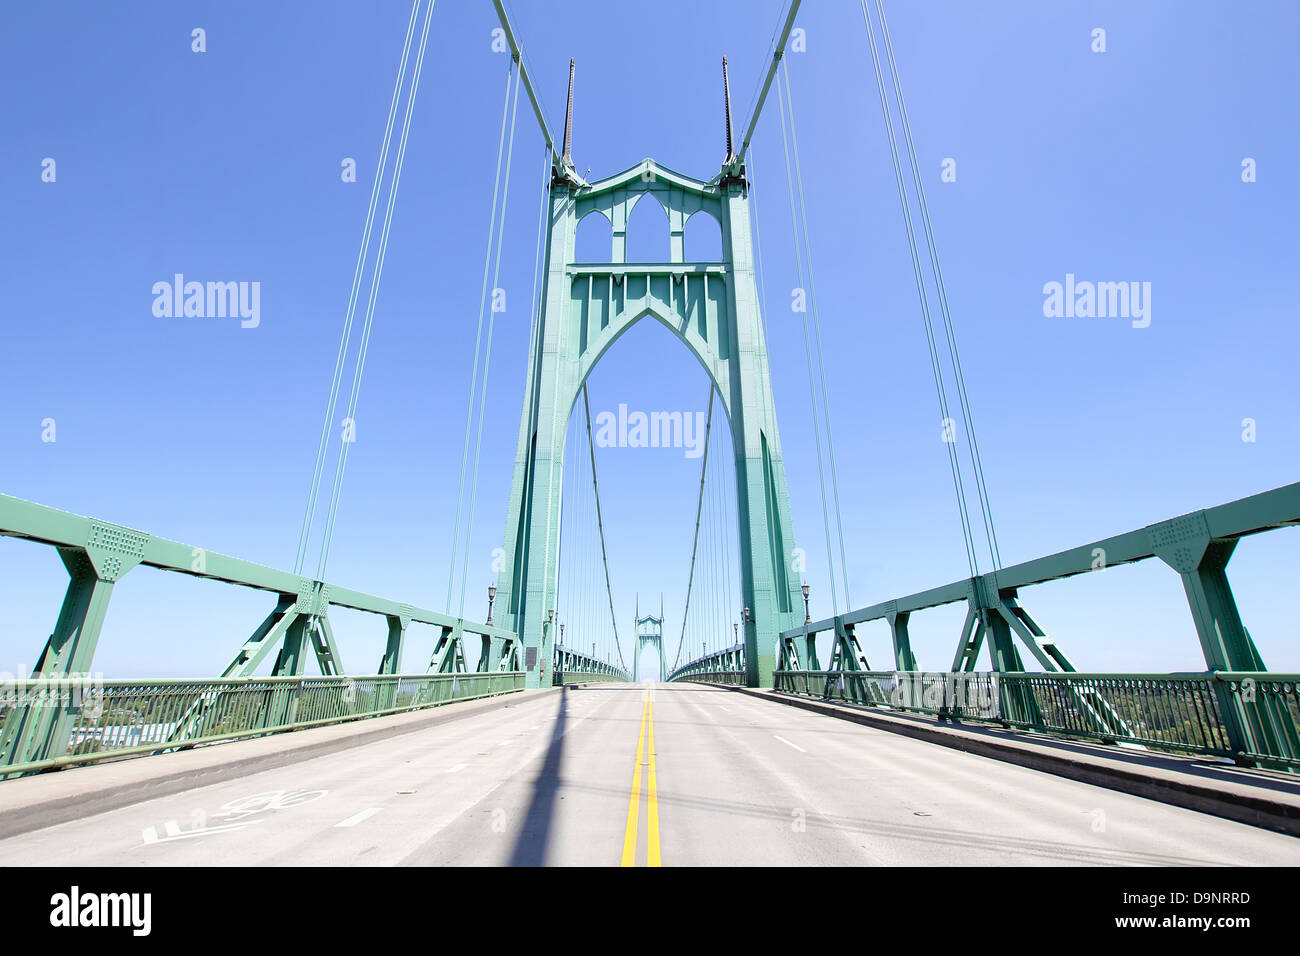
(225, 165)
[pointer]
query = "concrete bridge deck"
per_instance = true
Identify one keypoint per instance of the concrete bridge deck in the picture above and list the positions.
(548, 778)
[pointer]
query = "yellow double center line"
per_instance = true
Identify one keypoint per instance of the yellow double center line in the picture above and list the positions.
(652, 793)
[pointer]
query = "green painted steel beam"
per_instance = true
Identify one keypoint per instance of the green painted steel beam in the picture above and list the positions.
(1265, 511)
(97, 553)
(112, 546)
(34, 732)
(267, 636)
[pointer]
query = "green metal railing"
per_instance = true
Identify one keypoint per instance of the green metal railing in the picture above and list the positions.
(128, 718)
(581, 677)
(569, 666)
(714, 677)
(725, 666)
(39, 728)
(943, 694)
(1193, 713)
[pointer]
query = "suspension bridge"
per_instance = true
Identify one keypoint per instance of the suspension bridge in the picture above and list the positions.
(768, 737)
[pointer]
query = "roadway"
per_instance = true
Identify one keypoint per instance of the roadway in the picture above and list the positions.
(722, 779)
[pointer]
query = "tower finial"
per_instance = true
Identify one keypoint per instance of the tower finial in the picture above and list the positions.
(567, 155)
(726, 104)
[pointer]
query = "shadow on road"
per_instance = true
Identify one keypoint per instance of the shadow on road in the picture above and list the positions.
(534, 837)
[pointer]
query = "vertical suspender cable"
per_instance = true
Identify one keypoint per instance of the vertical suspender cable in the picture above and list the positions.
(478, 339)
(711, 565)
(375, 279)
(762, 292)
(812, 388)
(973, 443)
(699, 506)
(346, 337)
(817, 337)
(762, 288)
(954, 464)
(604, 557)
(724, 635)
(728, 594)
(487, 355)
(565, 561)
(529, 410)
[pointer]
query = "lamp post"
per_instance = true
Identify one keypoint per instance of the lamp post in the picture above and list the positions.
(735, 629)
(492, 596)
(807, 618)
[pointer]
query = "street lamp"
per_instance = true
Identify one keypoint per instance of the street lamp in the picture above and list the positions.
(561, 635)
(807, 618)
(735, 629)
(492, 596)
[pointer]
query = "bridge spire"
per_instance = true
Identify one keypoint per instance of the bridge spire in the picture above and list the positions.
(566, 157)
(726, 105)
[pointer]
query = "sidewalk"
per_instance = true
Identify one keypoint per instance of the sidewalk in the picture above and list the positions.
(1261, 798)
(47, 799)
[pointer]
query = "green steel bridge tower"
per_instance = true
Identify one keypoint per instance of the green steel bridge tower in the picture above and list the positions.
(713, 309)
(649, 631)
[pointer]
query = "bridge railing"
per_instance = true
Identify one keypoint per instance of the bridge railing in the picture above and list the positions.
(1180, 711)
(725, 666)
(1190, 713)
(98, 554)
(570, 666)
(121, 718)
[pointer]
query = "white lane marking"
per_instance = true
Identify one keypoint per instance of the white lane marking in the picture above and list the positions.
(235, 812)
(788, 744)
(150, 834)
(505, 743)
(358, 817)
(458, 768)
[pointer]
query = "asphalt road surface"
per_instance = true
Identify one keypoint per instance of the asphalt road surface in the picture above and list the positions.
(637, 774)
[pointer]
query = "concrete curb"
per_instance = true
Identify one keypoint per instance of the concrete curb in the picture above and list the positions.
(48, 799)
(1240, 802)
